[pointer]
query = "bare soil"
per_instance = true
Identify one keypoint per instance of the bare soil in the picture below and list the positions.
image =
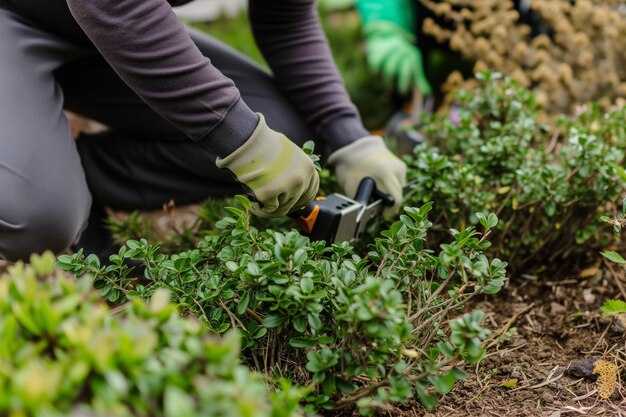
(557, 324)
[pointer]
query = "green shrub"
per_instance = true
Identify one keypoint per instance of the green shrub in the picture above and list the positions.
(547, 185)
(369, 330)
(63, 352)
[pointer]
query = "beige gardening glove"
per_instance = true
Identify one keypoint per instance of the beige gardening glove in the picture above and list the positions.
(279, 174)
(369, 157)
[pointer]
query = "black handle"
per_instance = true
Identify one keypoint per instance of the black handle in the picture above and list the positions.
(387, 199)
(367, 188)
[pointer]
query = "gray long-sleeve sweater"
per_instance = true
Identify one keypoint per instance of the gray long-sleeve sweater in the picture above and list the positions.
(148, 47)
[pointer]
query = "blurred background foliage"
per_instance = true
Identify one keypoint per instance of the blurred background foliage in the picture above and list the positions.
(342, 26)
(568, 53)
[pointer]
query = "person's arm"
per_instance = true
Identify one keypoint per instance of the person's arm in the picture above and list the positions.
(290, 37)
(150, 50)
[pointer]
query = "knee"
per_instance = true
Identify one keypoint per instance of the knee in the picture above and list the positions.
(41, 223)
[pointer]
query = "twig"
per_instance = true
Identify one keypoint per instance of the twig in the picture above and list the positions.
(400, 255)
(553, 142)
(601, 336)
(254, 315)
(432, 297)
(616, 278)
(345, 402)
(233, 318)
(495, 336)
(120, 308)
(582, 397)
(549, 380)
(502, 352)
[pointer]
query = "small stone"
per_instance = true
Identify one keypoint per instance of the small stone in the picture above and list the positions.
(556, 308)
(588, 296)
(583, 368)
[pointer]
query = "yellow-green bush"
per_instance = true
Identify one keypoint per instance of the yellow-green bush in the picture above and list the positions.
(63, 352)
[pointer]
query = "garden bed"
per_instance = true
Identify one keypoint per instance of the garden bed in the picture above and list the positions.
(558, 324)
(384, 328)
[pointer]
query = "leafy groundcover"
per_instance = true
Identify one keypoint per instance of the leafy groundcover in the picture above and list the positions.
(355, 330)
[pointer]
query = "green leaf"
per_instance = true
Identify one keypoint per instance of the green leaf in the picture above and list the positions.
(613, 256)
(459, 374)
(306, 284)
(314, 322)
(253, 269)
(231, 266)
(489, 221)
(177, 403)
(314, 363)
(243, 303)
(244, 201)
(446, 349)
(273, 321)
(262, 331)
(299, 323)
(444, 382)
(302, 342)
(611, 307)
(428, 399)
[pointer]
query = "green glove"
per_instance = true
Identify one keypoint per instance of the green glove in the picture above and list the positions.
(391, 53)
(369, 157)
(279, 174)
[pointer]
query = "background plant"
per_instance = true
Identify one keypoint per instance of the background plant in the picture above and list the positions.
(369, 330)
(62, 352)
(342, 28)
(579, 59)
(548, 186)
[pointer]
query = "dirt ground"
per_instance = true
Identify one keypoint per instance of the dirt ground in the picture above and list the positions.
(556, 325)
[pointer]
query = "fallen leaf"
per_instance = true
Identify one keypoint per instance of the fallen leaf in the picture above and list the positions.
(509, 383)
(589, 272)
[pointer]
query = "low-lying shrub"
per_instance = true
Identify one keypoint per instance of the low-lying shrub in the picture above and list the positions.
(547, 187)
(63, 352)
(368, 330)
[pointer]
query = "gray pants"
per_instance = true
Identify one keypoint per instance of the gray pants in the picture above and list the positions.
(48, 180)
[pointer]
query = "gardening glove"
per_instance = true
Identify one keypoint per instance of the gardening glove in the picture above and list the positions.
(369, 157)
(281, 177)
(391, 52)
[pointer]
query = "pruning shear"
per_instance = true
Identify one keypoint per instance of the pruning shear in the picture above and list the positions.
(336, 218)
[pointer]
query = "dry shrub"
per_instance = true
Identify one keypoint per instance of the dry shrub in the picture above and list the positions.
(581, 59)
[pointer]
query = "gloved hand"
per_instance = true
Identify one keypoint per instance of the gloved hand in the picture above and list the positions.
(391, 53)
(369, 157)
(279, 174)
